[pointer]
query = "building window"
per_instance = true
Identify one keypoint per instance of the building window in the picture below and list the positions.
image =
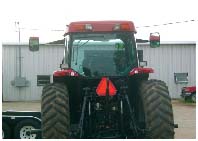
(181, 78)
(42, 80)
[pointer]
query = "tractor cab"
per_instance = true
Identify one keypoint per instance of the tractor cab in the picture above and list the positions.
(96, 49)
(102, 48)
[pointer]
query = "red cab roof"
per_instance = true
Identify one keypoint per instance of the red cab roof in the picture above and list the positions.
(101, 26)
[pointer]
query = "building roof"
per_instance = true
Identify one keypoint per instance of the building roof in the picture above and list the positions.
(61, 42)
(176, 42)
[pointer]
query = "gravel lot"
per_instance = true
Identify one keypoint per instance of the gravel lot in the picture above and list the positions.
(184, 115)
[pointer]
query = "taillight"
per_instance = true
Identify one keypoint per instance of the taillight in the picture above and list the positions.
(140, 70)
(122, 26)
(106, 87)
(67, 72)
(83, 27)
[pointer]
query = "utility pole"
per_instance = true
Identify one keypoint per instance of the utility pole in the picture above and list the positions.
(17, 23)
(19, 81)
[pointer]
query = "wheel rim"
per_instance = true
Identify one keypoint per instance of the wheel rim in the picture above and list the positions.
(194, 98)
(24, 133)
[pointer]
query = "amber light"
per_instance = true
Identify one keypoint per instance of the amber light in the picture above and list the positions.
(83, 27)
(79, 27)
(102, 87)
(124, 26)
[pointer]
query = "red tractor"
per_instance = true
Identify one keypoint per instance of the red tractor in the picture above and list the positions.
(189, 93)
(101, 91)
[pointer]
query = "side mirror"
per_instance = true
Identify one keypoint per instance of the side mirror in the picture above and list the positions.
(154, 39)
(34, 43)
(143, 64)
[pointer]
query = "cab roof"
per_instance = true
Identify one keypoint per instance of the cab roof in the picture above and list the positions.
(100, 26)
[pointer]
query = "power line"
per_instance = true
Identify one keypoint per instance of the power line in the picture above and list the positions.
(37, 29)
(165, 24)
(145, 26)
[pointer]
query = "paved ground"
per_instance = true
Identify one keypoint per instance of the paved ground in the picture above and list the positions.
(184, 115)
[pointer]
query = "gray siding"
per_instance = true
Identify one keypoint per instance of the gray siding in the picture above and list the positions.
(169, 59)
(166, 60)
(43, 62)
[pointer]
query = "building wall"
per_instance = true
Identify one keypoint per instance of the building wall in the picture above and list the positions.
(166, 60)
(169, 59)
(42, 62)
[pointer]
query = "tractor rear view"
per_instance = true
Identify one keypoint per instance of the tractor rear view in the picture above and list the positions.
(101, 91)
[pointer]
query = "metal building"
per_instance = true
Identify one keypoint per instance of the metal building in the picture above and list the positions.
(174, 63)
(36, 70)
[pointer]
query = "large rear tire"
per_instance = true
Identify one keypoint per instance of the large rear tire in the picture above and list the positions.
(55, 112)
(157, 109)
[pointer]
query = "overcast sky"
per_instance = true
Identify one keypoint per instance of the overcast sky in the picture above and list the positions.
(44, 18)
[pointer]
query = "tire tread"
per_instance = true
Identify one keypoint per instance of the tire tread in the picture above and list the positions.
(55, 111)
